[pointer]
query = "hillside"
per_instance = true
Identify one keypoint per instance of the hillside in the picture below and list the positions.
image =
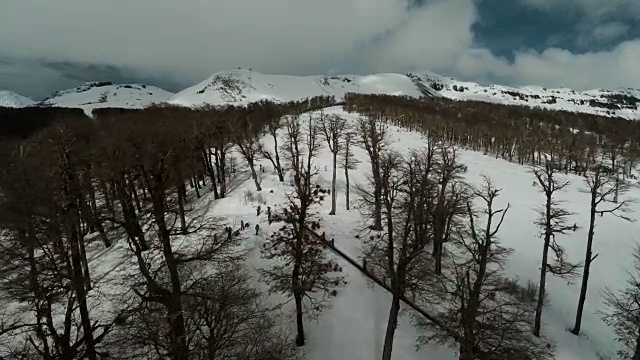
(13, 100)
(353, 326)
(244, 86)
(106, 94)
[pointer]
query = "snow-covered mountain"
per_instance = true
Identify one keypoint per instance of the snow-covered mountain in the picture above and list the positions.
(94, 95)
(244, 86)
(13, 100)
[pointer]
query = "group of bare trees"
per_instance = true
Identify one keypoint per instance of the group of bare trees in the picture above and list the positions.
(432, 243)
(129, 178)
(602, 151)
(302, 269)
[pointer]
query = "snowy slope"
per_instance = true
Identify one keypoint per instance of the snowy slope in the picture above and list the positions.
(106, 94)
(244, 86)
(622, 102)
(353, 327)
(356, 323)
(13, 100)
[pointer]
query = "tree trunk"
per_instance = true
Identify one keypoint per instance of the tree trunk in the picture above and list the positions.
(85, 264)
(277, 155)
(134, 192)
(107, 198)
(392, 324)
(255, 176)
(347, 186)
(94, 216)
(587, 267)
(79, 287)
(377, 198)
(333, 184)
(179, 350)
(542, 285)
(183, 220)
(300, 340)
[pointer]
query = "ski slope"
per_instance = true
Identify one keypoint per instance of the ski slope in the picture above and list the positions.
(242, 86)
(13, 100)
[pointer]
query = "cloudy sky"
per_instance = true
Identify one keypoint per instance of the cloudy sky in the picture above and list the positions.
(49, 45)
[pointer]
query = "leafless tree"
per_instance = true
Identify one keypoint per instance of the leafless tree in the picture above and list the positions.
(485, 314)
(348, 161)
(397, 253)
(248, 146)
(374, 139)
(451, 198)
(601, 187)
(552, 220)
(623, 312)
(272, 128)
(303, 270)
(332, 129)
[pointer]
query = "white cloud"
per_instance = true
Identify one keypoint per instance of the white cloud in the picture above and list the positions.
(194, 38)
(430, 38)
(559, 68)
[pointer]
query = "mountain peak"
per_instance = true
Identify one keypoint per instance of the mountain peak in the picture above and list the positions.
(14, 100)
(104, 94)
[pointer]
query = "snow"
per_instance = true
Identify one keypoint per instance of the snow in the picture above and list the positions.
(13, 100)
(242, 86)
(103, 95)
(353, 327)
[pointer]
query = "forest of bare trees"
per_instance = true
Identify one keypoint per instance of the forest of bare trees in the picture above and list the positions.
(130, 179)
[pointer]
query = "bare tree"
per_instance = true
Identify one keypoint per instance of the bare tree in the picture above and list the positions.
(623, 312)
(485, 314)
(601, 188)
(303, 270)
(248, 146)
(552, 220)
(332, 129)
(374, 139)
(272, 127)
(450, 201)
(348, 161)
(397, 253)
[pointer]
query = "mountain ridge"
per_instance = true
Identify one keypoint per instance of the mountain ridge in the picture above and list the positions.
(243, 86)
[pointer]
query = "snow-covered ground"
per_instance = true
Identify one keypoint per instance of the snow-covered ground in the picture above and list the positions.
(353, 327)
(13, 100)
